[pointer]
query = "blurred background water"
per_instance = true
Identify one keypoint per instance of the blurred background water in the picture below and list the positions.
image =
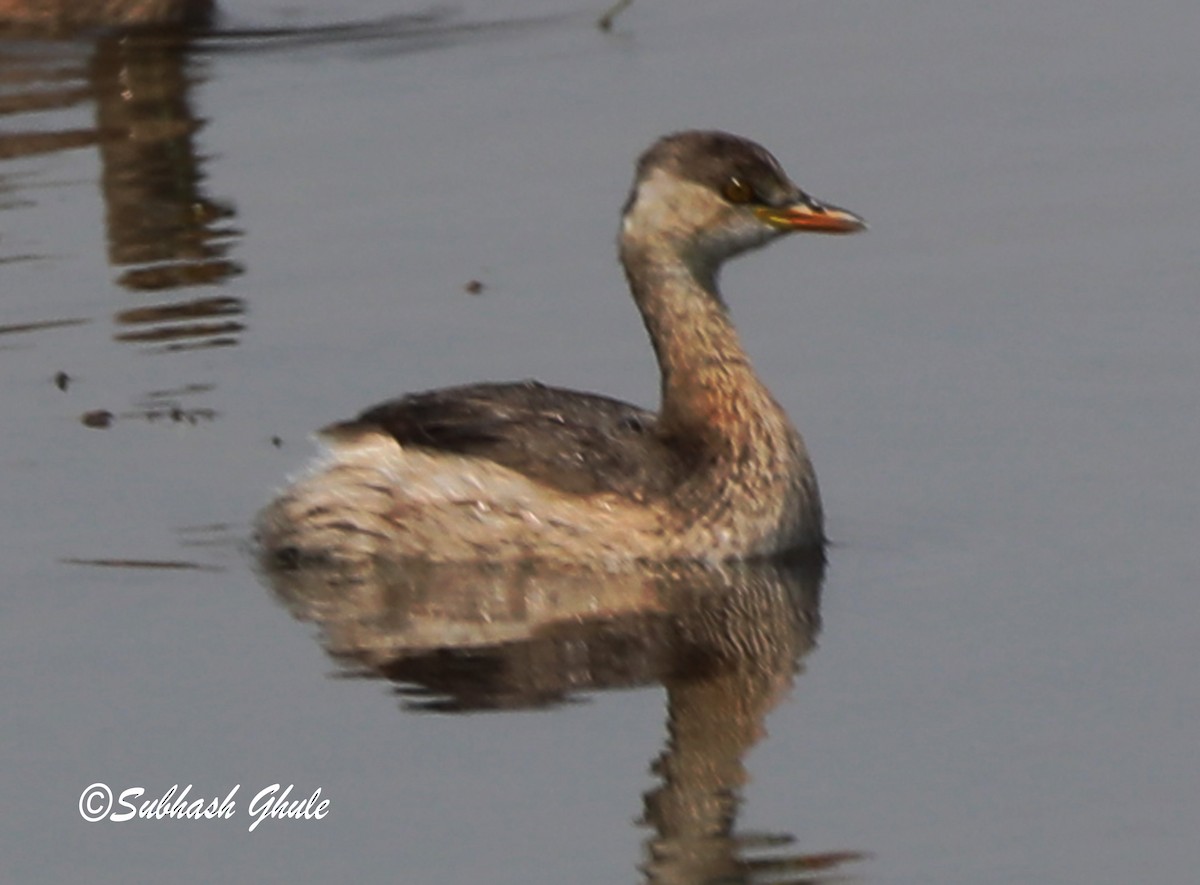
(212, 245)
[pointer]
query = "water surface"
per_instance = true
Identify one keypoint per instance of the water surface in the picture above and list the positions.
(224, 243)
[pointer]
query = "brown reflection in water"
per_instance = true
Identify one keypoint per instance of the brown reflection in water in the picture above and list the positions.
(168, 240)
(185, 325)
(163, 232)
(161, 227)
(36, 78)
(64, 16)
(725, 641)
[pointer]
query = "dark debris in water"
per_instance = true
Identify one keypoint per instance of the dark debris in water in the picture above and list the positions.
(97, 418)
(605, 22)
(155, 395)
(170, 564)
(404, 32)
(38, 326)
(176, 414)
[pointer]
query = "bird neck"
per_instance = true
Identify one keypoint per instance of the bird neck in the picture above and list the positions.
(710, 392)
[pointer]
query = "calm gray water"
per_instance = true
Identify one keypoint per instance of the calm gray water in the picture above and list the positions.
(228, 246)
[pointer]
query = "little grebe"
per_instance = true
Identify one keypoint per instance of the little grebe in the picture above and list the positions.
(521, 470)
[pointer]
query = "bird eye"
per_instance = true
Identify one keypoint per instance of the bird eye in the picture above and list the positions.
(737, 191)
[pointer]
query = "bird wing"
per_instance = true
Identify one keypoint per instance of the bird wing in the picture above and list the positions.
(579, 443)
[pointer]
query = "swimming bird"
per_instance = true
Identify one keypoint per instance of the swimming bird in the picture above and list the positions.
(503, 471)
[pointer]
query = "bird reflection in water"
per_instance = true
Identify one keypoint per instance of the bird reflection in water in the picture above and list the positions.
(726, 641)
(163, 233)
(168, 242)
